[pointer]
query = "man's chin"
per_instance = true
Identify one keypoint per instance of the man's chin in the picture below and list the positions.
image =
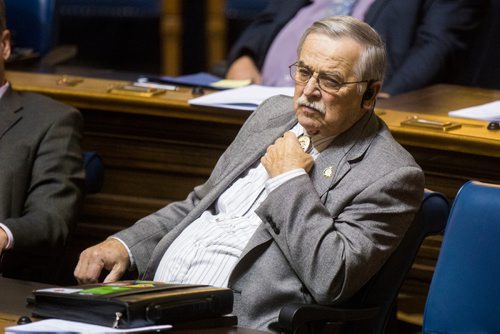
(309, 129)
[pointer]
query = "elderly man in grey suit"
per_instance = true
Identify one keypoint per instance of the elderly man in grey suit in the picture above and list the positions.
(41, 176)
(305, 205)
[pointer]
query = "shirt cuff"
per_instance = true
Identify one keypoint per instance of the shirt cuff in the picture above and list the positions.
(10, 237)
(132, 263)
(277, 181)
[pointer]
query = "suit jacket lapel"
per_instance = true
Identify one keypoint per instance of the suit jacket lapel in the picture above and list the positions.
(10, 104)
(257, 142)
(335, 161)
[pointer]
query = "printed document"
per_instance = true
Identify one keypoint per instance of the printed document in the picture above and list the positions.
(245, 98)
(486, 112)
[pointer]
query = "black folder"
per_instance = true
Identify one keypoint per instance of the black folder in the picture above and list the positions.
(130, 304)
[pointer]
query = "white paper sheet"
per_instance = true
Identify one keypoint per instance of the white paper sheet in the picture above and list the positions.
(245, 98)
(73, 327)
(487, 112)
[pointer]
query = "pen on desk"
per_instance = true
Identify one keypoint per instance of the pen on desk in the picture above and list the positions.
(155, 85)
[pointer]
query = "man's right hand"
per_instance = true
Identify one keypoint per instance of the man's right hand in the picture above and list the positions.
(109, 255)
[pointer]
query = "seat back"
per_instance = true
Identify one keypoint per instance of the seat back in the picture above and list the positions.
(94, 172)
(110, 8)
(382, 290)
(33, 24)
(464, 293)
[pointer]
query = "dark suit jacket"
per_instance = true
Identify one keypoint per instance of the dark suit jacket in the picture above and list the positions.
(41, 177)
(425, 39)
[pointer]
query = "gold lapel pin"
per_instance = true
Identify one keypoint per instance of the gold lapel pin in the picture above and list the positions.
(328, 172)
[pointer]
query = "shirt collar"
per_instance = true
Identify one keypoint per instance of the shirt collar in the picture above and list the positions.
(319, 142)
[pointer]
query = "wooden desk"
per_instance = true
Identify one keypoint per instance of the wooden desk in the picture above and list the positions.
(13, 305)
(156, 149)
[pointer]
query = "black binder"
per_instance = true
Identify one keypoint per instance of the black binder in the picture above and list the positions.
(129, 304)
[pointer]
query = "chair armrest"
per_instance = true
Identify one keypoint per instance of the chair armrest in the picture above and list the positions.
(293, 316)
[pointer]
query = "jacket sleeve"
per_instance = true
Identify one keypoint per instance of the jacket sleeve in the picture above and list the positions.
(54, 191)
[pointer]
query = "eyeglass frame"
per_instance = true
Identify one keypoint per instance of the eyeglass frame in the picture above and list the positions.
(318, 79)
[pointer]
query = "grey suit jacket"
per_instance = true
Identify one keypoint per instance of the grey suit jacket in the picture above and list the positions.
(41, 174)
(322, 238)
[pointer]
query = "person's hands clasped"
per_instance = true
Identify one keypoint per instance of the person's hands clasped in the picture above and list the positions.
(244, 68)
(109, 255)
(285, 155)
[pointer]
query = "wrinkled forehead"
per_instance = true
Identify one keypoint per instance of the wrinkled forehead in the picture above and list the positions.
(324, 53)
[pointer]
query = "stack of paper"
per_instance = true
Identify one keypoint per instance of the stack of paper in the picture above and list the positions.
(73, 327)
(246, 98)
(487, 112)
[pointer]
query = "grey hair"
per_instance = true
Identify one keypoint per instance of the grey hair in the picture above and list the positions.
(371, 63)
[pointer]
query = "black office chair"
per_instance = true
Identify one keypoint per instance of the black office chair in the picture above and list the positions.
(374, 306)
(94, 172)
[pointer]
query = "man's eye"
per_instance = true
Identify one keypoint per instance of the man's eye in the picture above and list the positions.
(303, 72)
(329, 83)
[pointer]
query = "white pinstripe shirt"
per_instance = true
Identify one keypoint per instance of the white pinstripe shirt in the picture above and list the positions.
(209, 248)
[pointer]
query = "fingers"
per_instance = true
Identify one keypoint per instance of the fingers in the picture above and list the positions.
(110, 255)
(89, 266)
(285, 155)
(115, 274)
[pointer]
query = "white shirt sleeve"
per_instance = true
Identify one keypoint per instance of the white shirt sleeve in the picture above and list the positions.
(276, 181)
(132, 263)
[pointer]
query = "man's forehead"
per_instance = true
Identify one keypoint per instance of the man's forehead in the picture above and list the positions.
(322, 52)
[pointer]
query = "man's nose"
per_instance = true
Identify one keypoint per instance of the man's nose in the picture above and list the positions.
(312, 86)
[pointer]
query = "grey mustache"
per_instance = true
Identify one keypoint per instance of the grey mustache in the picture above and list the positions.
(302, 101)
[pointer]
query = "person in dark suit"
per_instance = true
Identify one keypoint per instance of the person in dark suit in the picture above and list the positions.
(41, 175)
(425, 39)
(305, 205)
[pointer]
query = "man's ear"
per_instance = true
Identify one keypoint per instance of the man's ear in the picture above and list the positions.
(370, 95)
(5, 47)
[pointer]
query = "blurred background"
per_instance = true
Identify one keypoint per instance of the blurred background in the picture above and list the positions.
(142, 36)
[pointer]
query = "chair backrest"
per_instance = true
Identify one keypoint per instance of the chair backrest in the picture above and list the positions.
(33, 24)
(465, 291)
(382, 290)
(94, 172)
(110, 8)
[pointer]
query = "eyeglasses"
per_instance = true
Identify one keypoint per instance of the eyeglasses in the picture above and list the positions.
(327, 83)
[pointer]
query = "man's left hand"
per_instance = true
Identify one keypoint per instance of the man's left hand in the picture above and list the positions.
(285, 155)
